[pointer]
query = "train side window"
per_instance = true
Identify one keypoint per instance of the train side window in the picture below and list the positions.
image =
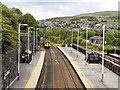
(96, 58)
(91, 58)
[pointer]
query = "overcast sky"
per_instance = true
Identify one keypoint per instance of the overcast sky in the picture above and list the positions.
(43, 9)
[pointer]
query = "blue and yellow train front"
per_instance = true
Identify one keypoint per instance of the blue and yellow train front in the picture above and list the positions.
(47, 45)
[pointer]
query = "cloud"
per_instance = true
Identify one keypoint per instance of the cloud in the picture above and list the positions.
(43, 9)
(39, 13)
(50, 1)
(110, 5)
(12, 0)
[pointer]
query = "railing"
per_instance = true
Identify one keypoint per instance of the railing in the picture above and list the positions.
(109, 62)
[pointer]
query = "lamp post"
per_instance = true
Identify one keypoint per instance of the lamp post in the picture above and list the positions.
(77, 42)
(72, 41)
(114, 50)
(80, 36)
(103, 53)
(36, 39)
(86, 44)
(28, 44)
(34, 42)
(19, 49)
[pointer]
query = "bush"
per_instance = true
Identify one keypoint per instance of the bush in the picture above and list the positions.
(83, 42)
(106, 48)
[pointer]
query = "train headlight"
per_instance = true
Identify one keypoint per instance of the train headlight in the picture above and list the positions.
(23, 56)
(45, 44)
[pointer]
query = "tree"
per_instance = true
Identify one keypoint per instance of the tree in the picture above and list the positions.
(109, 36)
(91, 33)
(9, 36)
(16, 11)
(29, 19)
(9, 30)
(10, 20)
(119, 39)
(98, 32)
(6, 12)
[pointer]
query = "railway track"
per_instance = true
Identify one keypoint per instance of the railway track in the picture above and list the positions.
(45, 79)
(57, 72)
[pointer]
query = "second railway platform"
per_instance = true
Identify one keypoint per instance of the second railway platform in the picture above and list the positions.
(90, 74)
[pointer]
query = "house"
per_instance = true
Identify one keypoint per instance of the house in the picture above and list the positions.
(96, 39)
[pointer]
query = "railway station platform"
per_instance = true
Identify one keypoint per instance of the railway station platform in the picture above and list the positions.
(29, 73)
(90, 74)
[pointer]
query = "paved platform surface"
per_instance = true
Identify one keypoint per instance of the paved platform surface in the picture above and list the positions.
(91, 74)
(29, 73)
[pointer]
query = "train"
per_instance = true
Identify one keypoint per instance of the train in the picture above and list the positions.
(92, 56)
(46, 44)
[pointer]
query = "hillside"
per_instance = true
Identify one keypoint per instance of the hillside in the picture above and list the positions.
(103, 13)
(104, 16)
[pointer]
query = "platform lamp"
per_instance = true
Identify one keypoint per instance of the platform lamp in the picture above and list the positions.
(34, 42)
(72, 41)
(19, 48)
(28, 43)
(86, 44)
(36, 39)
(77, 42)
(103, 52)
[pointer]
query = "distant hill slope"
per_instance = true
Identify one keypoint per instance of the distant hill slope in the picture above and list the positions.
(103, 13)
(103, 16)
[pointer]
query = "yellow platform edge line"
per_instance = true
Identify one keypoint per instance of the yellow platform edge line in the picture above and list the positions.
(83, 75)
(80, 70)
(93, 64)
(31, 77)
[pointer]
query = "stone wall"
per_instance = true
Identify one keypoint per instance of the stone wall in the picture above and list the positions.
(24, 42)
(8, 62)
(9, 68)
(0, 71)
